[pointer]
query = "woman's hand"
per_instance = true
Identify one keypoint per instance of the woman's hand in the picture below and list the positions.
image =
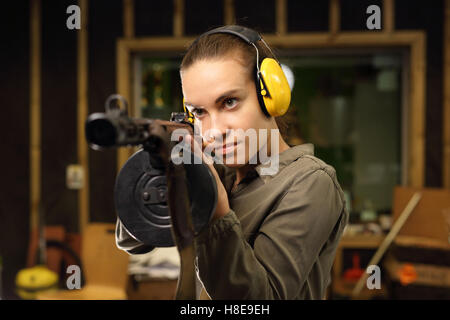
(223, 206)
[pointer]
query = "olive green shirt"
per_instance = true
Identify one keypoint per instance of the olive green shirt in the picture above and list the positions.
(279, 239)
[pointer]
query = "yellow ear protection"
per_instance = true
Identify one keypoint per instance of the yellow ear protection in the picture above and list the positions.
(272, 87)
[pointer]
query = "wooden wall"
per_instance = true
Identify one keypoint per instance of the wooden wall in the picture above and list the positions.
(416, 15)
(105, 26)
(14, 132)
(58, 115)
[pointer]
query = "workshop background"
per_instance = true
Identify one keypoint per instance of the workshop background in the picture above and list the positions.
(375, 104)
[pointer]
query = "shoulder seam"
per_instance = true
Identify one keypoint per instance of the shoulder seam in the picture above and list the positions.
(334, 182)
(336, 187)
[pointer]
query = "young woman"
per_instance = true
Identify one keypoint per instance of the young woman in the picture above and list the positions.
(273, 236)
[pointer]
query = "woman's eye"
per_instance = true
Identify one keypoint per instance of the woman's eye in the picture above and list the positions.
(197, 112)
(230, 103)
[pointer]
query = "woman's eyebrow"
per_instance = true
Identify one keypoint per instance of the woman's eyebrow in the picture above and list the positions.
(222, 96)
(226, 94)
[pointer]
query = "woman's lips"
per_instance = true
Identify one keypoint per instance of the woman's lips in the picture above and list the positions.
(228, 148)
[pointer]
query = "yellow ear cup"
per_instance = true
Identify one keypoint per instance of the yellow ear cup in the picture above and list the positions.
(278, 97)
(191, 117)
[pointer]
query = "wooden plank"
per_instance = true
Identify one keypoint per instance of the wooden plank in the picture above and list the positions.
(388, 16)
(228, 12)
(446, 111)
(35, 112)
(82, 113)
(334, 22)
(291, 40)
(281, 17)
(416, 142)
(361, 241)
(178, 18)
(128, 18)
(344, 288)
(123, 82)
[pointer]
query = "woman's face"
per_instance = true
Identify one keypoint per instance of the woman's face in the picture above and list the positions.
(222, 96)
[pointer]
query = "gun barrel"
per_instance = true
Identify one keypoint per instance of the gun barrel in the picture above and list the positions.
(105, 131)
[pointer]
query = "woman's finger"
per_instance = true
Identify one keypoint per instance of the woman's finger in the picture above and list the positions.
(197, 148)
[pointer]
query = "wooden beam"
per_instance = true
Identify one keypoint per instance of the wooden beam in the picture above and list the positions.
(388, 16)
(446, 111)
(82, 113)
(35, 112)
(178, 18)
(123, 84)
(416, 141)
(228, 12)
(290, 40)
(281, 17)
(334, 16)
(128, 18)
(344, 39)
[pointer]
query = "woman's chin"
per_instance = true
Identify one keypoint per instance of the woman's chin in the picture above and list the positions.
(233, 165)
(233, 162)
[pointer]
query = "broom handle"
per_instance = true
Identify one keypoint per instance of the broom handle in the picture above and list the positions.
(388, 240)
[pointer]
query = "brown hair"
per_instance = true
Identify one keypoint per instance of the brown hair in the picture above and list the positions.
(220, 45)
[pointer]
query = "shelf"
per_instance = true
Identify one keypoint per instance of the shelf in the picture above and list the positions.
(344, 288)
(361, 241)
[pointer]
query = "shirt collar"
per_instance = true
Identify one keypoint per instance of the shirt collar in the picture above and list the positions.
(285, 158)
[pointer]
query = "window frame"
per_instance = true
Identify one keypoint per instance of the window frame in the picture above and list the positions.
(413, 110)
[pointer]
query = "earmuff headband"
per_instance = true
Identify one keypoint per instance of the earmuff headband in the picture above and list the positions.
(248, 35)
(271, 105)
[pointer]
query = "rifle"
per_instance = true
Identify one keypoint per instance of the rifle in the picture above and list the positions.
(160, 203)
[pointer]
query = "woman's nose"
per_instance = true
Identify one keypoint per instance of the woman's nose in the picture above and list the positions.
(219, 124)
(218, 128)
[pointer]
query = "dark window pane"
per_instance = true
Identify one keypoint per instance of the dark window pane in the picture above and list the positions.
(202, 15)
(312, 16)
(256, 14)
(159, 93)
(415, 15)
(153, 18)
(349, 107)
